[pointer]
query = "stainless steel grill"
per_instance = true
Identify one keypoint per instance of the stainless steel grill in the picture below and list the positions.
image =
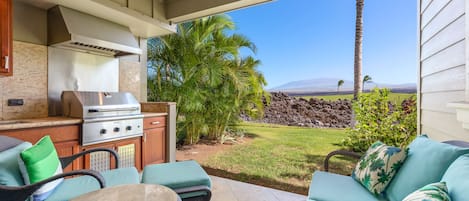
(107, 116)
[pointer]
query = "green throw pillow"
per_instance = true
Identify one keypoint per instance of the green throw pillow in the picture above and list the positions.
(430, 192)
(378, 166)
(40, 162)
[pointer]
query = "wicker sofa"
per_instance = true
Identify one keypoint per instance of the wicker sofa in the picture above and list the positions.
(427, 162)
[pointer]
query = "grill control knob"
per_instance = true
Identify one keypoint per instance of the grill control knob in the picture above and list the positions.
(117, 129)
(102, 131)
(128, 128)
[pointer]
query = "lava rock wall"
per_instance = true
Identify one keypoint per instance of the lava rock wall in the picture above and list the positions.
(319, 113)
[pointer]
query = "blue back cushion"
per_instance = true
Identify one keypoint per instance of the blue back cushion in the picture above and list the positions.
(457, 179)
(8, 142)
(426, 163)
(10, 173)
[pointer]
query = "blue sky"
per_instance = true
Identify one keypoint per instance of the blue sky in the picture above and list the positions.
(306, 39)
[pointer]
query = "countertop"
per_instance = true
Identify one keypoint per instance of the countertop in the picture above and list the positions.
(38, 122)
(154, 114)
(52, 121)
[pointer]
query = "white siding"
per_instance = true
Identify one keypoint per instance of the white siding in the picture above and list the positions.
(449, 35)
(432, 10)
(438, 134)
(437, 102)
(425, 4)
(451, 57)
(453, 79)
(446, 125)
(453, 11)
(442, 70)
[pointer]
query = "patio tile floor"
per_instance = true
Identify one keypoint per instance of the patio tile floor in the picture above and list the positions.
(230, 190)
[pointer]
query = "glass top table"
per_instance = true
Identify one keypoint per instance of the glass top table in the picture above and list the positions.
(131, 192)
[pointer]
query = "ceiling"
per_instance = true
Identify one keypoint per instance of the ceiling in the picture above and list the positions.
(148, 18)
(39, 3)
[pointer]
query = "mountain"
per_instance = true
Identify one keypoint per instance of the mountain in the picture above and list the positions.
(320, 85)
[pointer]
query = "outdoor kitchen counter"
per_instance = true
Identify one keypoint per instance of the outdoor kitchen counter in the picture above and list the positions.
(154, 114)
(38, 122)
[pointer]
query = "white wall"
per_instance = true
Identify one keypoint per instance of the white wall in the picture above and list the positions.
(442, 67)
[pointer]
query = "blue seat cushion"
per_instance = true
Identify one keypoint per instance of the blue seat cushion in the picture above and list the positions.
(71, 188)
(177, 175)
(327, 186)
(456, 178)
(426, 163)
(10, 174)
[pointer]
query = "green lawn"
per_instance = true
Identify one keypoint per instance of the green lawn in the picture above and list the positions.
(394, 97)
(280, 157)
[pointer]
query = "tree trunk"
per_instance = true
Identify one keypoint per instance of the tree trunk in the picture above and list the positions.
(358, 85)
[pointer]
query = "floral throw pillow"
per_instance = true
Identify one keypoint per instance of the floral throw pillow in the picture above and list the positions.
(378, 166)
(431, 192)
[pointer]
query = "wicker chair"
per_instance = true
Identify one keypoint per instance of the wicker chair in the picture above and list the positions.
(15, 193)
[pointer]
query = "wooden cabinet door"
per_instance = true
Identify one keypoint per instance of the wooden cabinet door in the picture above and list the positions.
(68, 149)
(99, 161)
(130, 153)
(153, 146)
(6, 38)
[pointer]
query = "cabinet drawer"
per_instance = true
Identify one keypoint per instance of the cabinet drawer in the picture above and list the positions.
(57, 134)
(154, 122)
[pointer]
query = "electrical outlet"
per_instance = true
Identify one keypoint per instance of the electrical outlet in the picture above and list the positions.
(15, 102)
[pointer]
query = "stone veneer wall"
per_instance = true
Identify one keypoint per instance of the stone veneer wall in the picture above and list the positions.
(29, 82)
(133, 73)
(129, 78)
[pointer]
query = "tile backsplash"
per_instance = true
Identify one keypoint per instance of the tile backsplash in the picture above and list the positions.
(29, 82)
(129, 78)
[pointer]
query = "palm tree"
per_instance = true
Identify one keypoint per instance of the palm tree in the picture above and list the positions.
(366, 79)
(241, 90)
(357, 67)
(339, 84)
(201, 69)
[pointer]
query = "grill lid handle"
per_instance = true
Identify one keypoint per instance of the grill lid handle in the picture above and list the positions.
(113, 110)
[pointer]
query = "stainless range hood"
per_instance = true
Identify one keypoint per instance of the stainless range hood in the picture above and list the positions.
(71, 29)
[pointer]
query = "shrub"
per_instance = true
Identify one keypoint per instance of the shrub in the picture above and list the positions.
(379, 119)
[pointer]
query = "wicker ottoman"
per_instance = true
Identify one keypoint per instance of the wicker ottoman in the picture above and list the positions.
(187, 178)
